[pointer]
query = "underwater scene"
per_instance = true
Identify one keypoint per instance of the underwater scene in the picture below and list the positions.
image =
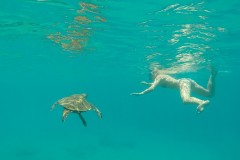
(119, 80)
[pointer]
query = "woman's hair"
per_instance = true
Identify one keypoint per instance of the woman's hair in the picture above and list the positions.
(154, 72)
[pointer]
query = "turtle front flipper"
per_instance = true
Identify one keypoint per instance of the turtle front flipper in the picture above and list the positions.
(83, 120)
(54, 105)
(99, 113)
(65, 114)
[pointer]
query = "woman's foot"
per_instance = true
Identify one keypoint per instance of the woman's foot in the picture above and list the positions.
(213, 71)
(200, 108)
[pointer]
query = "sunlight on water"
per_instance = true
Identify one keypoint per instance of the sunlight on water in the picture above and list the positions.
(77, 33)
(189, 42)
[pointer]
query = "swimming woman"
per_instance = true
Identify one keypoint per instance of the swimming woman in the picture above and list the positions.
(185, 85)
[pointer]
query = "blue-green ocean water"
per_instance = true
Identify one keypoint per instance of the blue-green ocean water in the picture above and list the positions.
(124, 38)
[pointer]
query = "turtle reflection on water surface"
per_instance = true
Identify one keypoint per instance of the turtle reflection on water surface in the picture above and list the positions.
(76, 103)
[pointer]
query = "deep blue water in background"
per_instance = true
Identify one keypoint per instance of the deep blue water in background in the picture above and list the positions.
(49, 51)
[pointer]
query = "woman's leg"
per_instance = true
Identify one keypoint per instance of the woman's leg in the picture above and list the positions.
(210, 91)
(185, 91)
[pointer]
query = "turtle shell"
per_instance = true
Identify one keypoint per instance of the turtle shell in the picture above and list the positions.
(76, 102)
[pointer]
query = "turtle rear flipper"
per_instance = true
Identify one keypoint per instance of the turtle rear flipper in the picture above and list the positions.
(83, 120)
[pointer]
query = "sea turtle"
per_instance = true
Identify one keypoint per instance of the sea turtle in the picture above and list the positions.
(76, 103)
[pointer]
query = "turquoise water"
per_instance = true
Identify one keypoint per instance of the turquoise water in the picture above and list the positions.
(50, 49)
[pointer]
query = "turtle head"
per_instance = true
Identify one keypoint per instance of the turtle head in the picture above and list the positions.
(84, 95)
